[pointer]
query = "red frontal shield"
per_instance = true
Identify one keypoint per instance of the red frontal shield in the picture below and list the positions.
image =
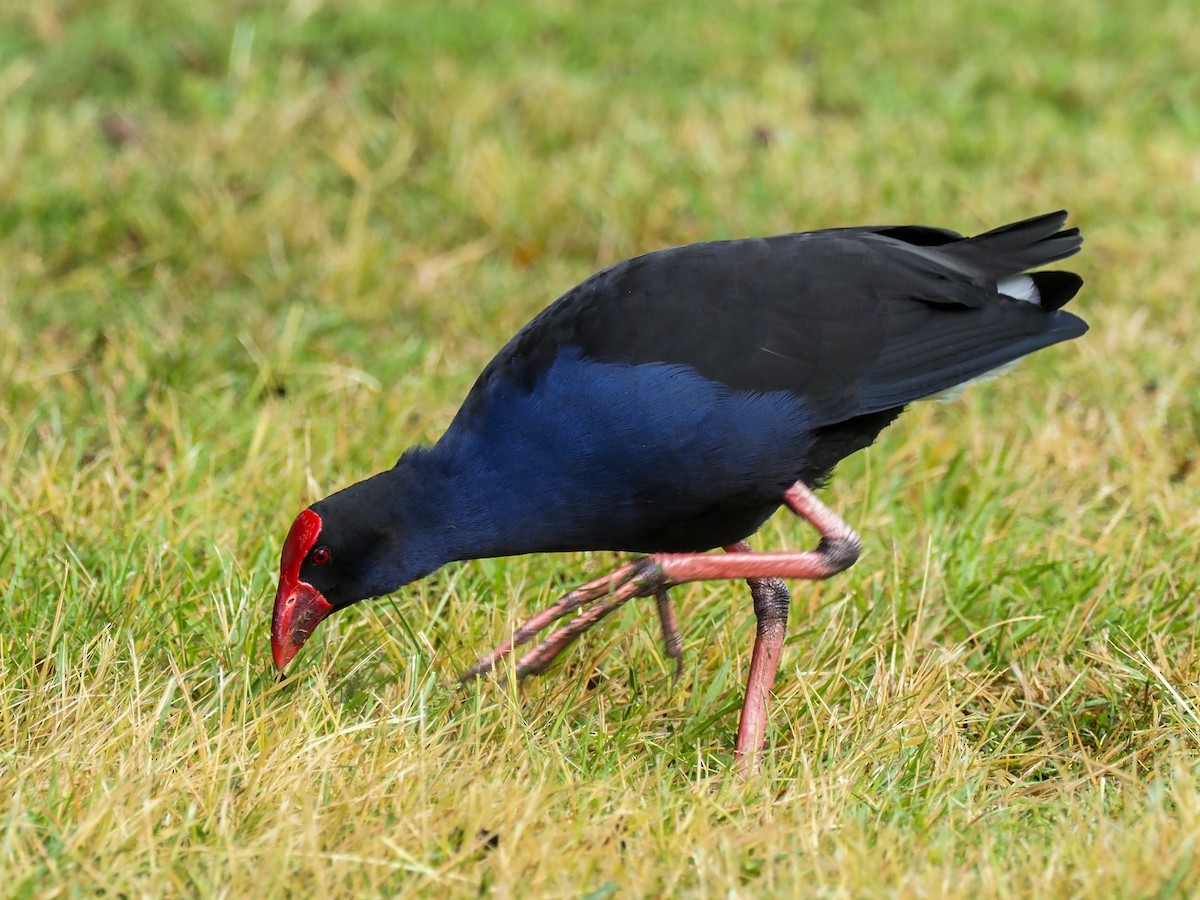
(299, 607)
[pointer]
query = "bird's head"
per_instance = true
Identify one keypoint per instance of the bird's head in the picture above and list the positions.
(345, 548)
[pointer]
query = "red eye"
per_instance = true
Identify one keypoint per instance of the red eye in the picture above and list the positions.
(320, 556)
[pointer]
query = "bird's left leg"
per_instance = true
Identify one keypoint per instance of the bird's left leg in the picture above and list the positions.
(537, 660)
(615, 588)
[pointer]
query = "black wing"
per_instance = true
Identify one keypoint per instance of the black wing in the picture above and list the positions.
(855, 320)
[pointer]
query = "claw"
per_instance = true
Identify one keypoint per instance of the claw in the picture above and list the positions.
(670, 628)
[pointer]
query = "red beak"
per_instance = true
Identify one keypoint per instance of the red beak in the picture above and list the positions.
(299, 607)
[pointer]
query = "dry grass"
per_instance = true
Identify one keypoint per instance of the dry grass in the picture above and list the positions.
(250, 255)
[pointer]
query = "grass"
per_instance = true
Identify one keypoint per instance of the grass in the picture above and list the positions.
(252, 251)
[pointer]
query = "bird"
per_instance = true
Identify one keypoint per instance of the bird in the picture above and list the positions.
(667, 406)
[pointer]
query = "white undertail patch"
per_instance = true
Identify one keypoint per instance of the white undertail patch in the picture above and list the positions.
(1019, 287)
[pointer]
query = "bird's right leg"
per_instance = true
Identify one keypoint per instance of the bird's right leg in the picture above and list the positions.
(771, 603)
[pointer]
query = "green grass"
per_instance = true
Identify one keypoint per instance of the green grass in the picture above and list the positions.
(252, 251)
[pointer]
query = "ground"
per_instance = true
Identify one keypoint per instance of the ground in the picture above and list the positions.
(253, 251)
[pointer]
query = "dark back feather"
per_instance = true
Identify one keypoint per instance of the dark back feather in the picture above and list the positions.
(854, 320)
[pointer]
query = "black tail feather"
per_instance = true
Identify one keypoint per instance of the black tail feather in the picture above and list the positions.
(1020, 246)
(1055, 289)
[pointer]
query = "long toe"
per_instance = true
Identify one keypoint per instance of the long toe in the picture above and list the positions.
(672, 640)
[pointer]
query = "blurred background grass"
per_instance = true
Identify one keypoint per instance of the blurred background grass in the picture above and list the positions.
(250, 252)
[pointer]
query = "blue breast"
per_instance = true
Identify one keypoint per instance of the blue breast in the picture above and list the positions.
(650, 457)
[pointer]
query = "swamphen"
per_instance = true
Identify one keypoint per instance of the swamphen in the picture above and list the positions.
(668, 406)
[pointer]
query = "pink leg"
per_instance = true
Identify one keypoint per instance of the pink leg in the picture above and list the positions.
(623, 581)
(838, 550)
(771, 602)
(538, 660)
